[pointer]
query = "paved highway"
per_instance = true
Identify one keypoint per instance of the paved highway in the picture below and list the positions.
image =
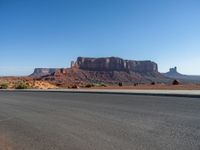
(83, 121)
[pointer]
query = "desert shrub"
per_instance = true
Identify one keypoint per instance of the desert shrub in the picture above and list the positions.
(3, 86)
(73, 87)
(175, 82)
(120, 84)
(59, 84)
(103, 85)
(153, 83)
(100, 85)
(89, 85)
(22, 86)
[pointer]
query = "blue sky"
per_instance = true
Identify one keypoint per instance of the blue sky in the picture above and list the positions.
(51, 33)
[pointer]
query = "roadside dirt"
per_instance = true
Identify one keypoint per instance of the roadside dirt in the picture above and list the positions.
(156, 87)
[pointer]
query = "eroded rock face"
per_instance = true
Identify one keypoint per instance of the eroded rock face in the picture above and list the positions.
(109, 70)
(38, 72)
(115, 64)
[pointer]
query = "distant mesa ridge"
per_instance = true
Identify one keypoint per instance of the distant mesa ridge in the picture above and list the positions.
(39, 72)
(114, 64)
(103, 64)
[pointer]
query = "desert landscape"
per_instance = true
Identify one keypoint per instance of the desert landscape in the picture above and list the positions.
(99, 75)
(24, 83)
(103, 73)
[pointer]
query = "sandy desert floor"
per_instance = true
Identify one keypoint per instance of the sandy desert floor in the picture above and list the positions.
(38, 84)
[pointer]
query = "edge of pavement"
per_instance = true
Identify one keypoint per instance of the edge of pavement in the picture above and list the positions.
(174, 93)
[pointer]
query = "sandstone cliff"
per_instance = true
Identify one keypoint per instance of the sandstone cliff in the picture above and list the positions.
(115, 64)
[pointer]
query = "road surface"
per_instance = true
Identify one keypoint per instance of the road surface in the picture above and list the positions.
(85, 121)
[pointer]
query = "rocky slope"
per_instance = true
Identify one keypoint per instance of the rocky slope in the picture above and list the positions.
(78, 76)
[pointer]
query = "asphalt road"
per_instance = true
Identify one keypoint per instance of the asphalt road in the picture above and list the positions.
(72, 121)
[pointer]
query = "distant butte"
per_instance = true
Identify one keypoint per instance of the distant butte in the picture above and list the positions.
(174, 74)
(39, 72)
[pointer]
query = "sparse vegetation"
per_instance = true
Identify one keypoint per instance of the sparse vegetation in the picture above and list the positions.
(89, 85)
(100, 85)
(73, 86)
(103, 85)
(175, 82)
(22, 85)
(3, 86)
(120, 84)
(153, 83)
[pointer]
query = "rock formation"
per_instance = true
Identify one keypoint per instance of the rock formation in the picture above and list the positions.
(115, 64)
(109, 70)
(39, 72)
(174, 74)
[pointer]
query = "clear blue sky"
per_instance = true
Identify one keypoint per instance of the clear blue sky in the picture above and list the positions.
(51, 33)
